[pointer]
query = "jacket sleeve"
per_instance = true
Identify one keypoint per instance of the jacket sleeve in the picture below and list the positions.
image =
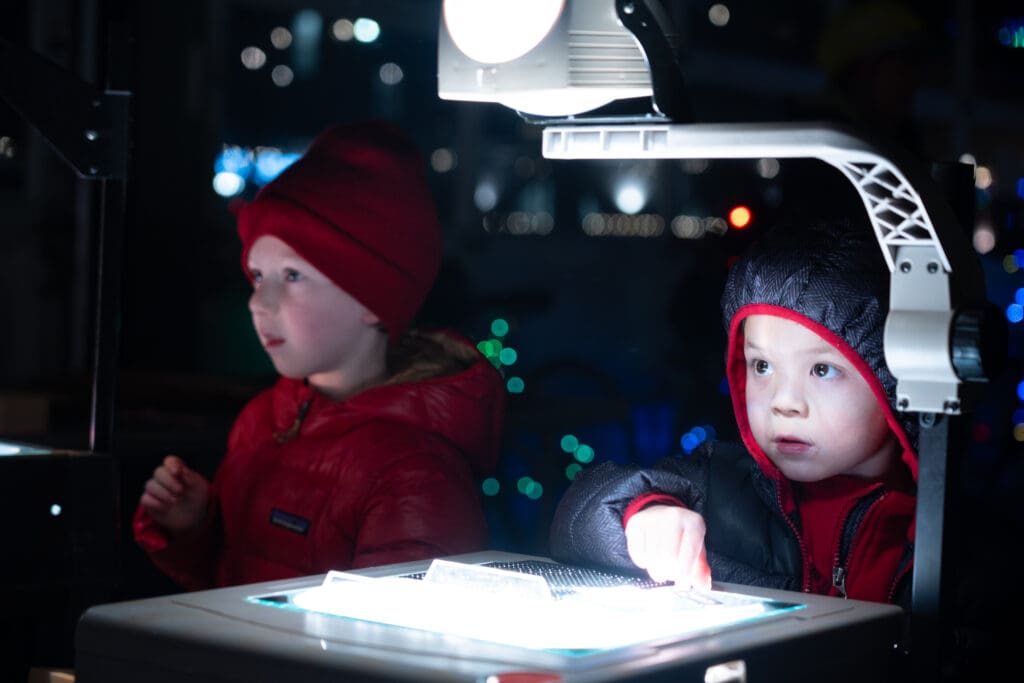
(188, 559)
(588, 524)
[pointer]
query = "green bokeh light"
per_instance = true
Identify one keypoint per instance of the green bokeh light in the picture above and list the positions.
(508, 355)
(584, 453)
(515, 385)
(534, 490)
(570, 443)
(499, 327)
(491, 486)
(523, 484)
(490, 348)
(572, 470)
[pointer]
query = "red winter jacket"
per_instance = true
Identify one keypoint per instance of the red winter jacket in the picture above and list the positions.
(388, 475)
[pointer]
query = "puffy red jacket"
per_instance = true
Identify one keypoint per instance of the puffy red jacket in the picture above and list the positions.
(388, 475)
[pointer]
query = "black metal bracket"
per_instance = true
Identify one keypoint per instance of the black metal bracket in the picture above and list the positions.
(653, 29)
(86, 126)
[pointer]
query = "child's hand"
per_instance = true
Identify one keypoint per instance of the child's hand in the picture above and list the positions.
(176, 496)
(668, 541)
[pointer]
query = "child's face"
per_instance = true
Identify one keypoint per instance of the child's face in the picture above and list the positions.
(809, 408)
(307, 324)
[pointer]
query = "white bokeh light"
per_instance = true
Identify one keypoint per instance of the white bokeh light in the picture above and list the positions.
(496, 31)
(630, 197)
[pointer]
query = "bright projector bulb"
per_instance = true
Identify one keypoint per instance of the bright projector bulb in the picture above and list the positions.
(496, 31)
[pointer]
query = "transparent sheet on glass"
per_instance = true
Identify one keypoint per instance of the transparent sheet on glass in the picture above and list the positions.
(531, 604)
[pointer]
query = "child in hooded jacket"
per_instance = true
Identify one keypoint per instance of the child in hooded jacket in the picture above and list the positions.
(369, 447)
(820, 496)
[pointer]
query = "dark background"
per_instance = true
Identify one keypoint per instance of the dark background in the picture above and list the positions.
(618, 338)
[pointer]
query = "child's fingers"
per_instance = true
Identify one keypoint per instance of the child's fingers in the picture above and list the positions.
(168, 480)
(152, 504)
(158, 492)
(702, 571)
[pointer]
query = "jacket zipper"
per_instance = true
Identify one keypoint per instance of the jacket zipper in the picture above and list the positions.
(804, 555)
(840, 564)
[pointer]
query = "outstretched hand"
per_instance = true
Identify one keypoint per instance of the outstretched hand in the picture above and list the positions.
(668, 541)
(176, 496)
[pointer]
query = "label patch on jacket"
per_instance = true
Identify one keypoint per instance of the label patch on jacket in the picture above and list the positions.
(288, 521)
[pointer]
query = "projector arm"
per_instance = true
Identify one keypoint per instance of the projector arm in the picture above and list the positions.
(937, 294)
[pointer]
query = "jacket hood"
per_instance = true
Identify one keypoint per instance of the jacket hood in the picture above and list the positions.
(832, 279)
(438, 383)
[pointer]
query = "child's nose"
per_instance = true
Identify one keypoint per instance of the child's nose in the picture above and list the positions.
(788, 399)
(263, 300)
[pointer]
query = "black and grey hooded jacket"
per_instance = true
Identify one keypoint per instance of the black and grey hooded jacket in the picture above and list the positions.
(832, 279)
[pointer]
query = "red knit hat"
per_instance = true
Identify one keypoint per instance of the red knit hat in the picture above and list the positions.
(357, 206)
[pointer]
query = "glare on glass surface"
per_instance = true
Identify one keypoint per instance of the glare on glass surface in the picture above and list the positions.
(496, 31)
(464, 600)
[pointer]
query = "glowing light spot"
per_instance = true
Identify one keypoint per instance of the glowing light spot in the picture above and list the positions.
(253, 58)
(534, 490)
(1018, 257)
(499, 327)
(495, 32)
(508, 355)
(233, 159)
(687, 227)
(1009, 263)
(391, 74)
(228, 184)
(718, 15)
(572, 470)
(1018, 433)
(270, 162)
(486, 195)
(768, 168)
(491, 486)
(7, 449)
(984, 237)
(584, 454)
(570, 443)
(1020, 188)
(55, 510)
(983, 177)
(515, 385)
(1015, 313)
(968, 158)
(281, 38)
(282, 76)
(442, 160)
(740, 217)
(490, 347)
(366, 30)
(343, 30)
(1020, 391)
(689, 442)
(630, 198)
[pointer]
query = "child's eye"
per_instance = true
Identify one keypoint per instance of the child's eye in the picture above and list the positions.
(255, 276)
(760, 367)
(824, 371)
(292, 275)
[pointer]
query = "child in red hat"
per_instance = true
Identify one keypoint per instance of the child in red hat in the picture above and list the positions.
(368, 449)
